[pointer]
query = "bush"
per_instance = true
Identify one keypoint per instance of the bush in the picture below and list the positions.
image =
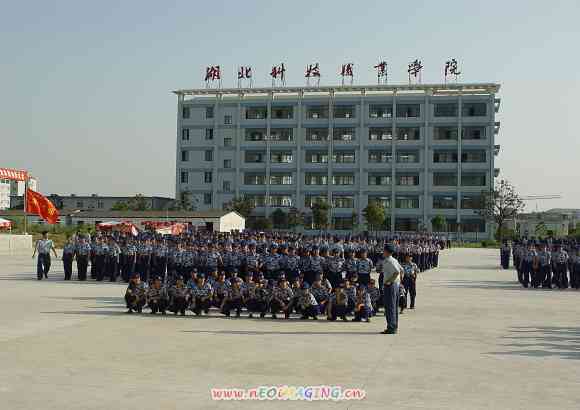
(488, 243)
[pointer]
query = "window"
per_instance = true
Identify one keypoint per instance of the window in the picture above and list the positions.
(343, 179)
(406, 224)
(207, 177)
(227, 163)
(471, 202)
(407, 202)
(184, 156)
(316, 134)
(208, 112)
(408, 180)
(407, 157)
(380, 111)
(227, 142)
(227, 119)
(256, 113)
(255, 134)
(281, 179)
(344, 223)
(473, 225)
(473, 180)
(281, 200)
(444, 179)
(445, 110)
(380, 157)
(474, 109)
(409, 134)
(408, 110)
(254, 157)
(226, 186)
(281, 134)
(384, 201)
(344, 111)
(344, 157)
(444, 202)
(343, 201)
(316, 157)
(281, 157)
(257, 200)
(445, 133)
(380, 134)
(208, 155)
(379, 180)
(473, 156)
(343, 134)
(80, 204)
(316, 112)
(444, 156)
(473, 133)
(207, 198)
(185, 134)
(185, 112)
(100, 205)
(315, 179)
(209, 134)
(254, 179)
(311, 200)
(282, 113)
(184, 177)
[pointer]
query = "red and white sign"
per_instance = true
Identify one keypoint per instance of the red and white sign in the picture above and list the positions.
(125, 227)
(13, 174)
(5, 223)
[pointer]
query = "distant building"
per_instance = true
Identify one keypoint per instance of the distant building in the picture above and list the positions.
(8, 188)
(96, 202)
(541, 224)
(4, 193)
(17, 187)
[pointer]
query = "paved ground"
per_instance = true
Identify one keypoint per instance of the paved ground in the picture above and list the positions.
(476, 341)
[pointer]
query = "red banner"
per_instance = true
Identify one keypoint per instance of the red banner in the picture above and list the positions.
(38, 204)
(13, 174)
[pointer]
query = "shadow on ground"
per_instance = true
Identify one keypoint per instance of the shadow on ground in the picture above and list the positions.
(544, 341)
(272, 332)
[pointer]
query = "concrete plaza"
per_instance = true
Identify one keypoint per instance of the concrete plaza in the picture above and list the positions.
(476, 341)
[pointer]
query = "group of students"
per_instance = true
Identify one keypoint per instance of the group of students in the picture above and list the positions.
(548, 264)
(228, 293)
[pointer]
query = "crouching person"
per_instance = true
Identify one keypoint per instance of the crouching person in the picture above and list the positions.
(263, 295)
(157, 298)
(179, 300)
(308, 303)
(338, 304)
(201, 296)
(136, 294)
(281, 297)
(375, 295)
(234, 299)
(363, 306)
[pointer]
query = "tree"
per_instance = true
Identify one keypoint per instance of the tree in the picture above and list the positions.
(184, 203)
(438, 223)
(244, 206)
(295, 218)
(374, 215)
(138, 203)
(120, 206)
(262, 223)
(501, 205)
(320, 214)
(279, 219)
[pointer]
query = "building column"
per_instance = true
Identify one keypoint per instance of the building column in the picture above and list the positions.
(459, 153)
(268, 131)
(330, 155)
(362, 180)
(393, 159)
(179, 143)
(299, 141)
(427, 113)
(238, 159)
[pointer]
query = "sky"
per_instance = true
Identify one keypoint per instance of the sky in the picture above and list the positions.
(85, 86)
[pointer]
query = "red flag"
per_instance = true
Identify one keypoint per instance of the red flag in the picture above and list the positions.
(38, 204)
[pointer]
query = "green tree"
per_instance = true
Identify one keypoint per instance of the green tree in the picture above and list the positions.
(374, 215)
(320, 214)
(183, 203)
(279, 219)
(138, 203)
(262, 223)
(120, 206)
(244, 206)
(438, 223)
(295, 218)
(500, 205)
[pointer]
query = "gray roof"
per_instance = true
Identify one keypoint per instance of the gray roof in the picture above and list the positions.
(215, 213)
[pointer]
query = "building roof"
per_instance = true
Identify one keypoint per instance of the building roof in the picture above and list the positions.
(216, 213)
(104, 197)
(451, 88)
(563, 211)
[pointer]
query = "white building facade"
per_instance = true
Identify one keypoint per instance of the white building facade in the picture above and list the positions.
(420, 150)
(4, 194)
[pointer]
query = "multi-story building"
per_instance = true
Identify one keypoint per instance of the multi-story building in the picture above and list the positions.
(4, 194)
(420, 150)
(17, 187)
(96, 202)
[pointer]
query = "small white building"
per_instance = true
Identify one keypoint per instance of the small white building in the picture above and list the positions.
(210, 220)
(4, 193)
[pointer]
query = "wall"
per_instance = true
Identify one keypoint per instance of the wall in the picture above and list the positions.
(232, 221)
(15, 243)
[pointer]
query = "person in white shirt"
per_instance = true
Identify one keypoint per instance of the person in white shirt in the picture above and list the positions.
(43, 247)
(391, 271)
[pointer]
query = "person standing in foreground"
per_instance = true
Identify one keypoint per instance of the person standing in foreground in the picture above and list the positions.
(43, 247)
(391, 270)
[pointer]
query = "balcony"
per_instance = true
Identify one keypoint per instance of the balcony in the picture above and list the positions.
(496, 149)
(496, 127)
(496, 104)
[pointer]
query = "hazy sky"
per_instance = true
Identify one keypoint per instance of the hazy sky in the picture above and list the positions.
(85, 100)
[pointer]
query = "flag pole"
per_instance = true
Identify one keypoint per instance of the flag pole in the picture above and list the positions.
(25, 203)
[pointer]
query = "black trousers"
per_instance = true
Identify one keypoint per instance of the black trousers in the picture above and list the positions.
(134, 302)
(201, 304)
(337, 311)
(42, 265)
(159, 305)
(67, 263)
(410, 284)
(232, 304)
(82, 264)
(111, 268)
(179, 304)
(100, 267)
(276, 306)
